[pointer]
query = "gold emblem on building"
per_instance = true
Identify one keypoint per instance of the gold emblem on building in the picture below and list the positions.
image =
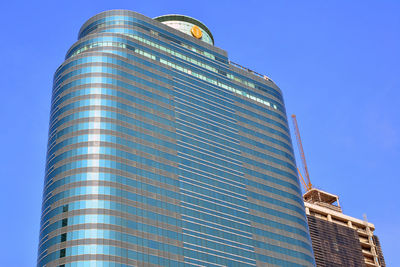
(196, 32)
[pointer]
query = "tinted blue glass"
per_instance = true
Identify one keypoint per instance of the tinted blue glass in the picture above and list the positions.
(162, 152)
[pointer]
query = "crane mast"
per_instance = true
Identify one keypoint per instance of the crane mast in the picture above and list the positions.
(306, 183)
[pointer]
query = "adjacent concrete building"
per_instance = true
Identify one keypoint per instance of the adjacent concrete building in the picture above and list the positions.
(162, 152)
(338, 239)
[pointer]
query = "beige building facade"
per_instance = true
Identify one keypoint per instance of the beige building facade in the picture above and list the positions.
(339, 239)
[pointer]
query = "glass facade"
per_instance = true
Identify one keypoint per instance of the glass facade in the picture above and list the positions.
(162, 153)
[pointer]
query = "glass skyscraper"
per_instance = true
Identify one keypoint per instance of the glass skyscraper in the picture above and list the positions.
(162, 152)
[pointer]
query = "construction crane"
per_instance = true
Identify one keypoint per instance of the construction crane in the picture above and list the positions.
(306, 182)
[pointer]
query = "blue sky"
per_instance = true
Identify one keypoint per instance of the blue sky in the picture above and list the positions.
(337, 63)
